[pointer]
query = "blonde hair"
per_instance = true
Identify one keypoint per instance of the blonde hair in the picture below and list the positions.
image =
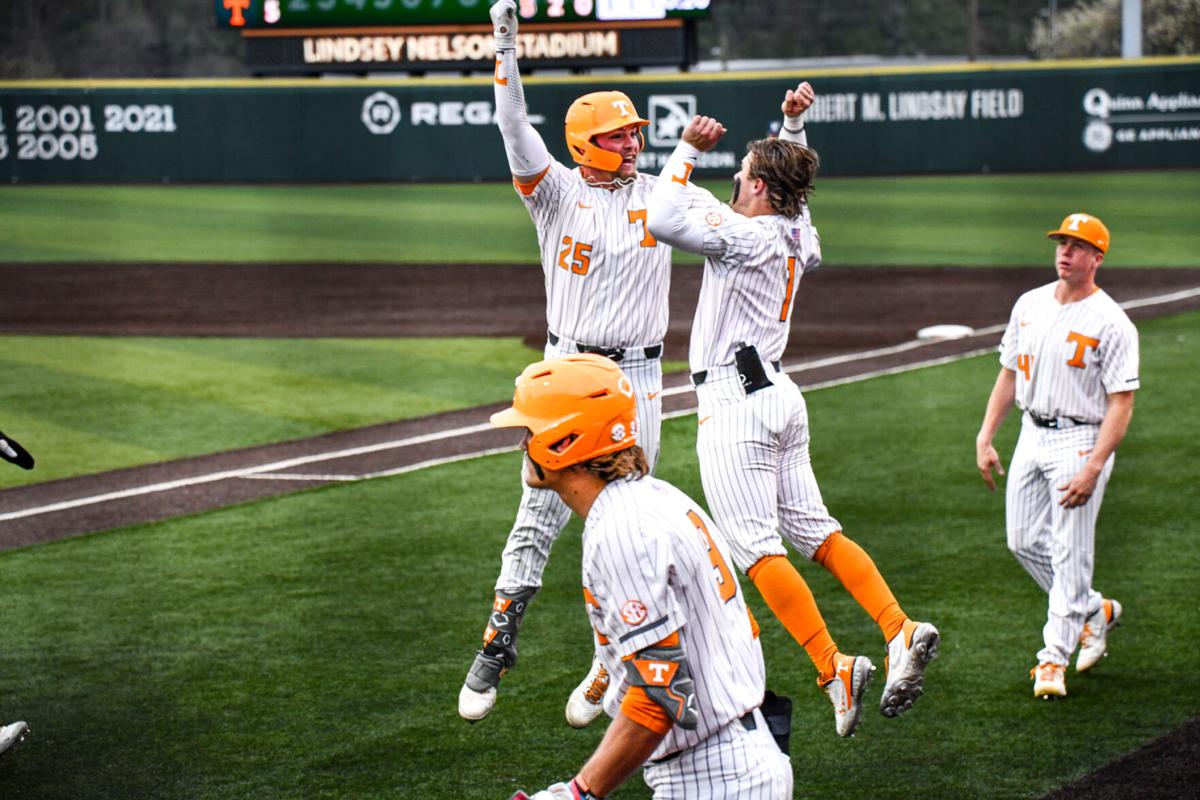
(627, 464)
(788, 170)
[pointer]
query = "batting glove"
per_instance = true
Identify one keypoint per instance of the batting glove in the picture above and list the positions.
(504, 24)
(565, 791)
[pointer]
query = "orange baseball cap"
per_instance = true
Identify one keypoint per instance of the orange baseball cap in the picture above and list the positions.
(1086, 228)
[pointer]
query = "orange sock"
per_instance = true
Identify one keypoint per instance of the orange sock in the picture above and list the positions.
(851, 565)
(792, 602)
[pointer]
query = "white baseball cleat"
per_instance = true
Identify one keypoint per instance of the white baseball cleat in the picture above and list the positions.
(1049, 680)
(11, 734)
(909, 652)
(847, 689)
(1093, 642)
(587, 700)
(474, 706)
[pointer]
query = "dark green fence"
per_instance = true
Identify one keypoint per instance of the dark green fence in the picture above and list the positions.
(985, 119)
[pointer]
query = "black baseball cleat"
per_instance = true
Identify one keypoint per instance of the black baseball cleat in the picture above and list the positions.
(11, 451)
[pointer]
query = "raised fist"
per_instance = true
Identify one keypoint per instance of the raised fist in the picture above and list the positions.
(504, 23)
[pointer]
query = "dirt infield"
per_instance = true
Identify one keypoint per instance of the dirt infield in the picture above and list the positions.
(840, 312)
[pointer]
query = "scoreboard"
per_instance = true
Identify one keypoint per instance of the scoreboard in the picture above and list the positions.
(358, 36)
(356, 13)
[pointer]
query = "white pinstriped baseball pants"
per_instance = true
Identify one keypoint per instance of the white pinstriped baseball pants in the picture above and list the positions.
(732, 764)
(1055, 545)
(542, 515)
(756, 469)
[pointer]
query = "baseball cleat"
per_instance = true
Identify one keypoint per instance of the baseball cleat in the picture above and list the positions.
(587, 700)
(908, 653)
(846, 690)
(1093, 642)
(1049, 680)
(11, 734)
(474, 706)
(478, 694)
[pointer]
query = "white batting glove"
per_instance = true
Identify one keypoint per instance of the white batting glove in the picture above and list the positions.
(562, 791)
(504, 24)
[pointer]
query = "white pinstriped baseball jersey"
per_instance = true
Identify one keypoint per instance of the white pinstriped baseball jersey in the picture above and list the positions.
(1069, 357)
(654, 563)
(752, 267)
(606, 277)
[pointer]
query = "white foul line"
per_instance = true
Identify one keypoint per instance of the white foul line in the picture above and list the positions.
(263, 471)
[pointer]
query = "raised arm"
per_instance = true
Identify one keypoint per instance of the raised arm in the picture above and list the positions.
(795, 103)
(667, 207)
(527, 153)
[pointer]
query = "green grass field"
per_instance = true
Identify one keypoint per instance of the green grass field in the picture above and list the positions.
(313, 645)
(970, 220)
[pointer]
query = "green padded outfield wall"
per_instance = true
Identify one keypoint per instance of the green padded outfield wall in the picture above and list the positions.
(981, 118)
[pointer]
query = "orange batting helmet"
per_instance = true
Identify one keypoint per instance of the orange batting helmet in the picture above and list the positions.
(576, 408)
(1086, 228)
(592, 115)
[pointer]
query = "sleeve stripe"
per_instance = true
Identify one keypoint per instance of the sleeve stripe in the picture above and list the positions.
(643, 629)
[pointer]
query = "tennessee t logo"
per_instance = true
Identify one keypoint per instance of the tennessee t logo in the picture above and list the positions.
(237, 7)
(687, 173)
(1082, 343)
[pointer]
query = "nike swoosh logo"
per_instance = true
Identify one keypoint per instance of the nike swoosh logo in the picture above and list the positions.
(1022, 324)
(651, 395)
(704, 419)
(582, 204)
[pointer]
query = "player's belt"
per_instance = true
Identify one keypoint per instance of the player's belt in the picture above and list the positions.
(747, 720)
(1057, 422)
(717, 373)
(614, 353)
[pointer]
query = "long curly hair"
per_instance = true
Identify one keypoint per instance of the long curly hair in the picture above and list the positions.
(788, 169)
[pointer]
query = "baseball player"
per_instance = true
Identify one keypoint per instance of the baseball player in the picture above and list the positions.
(671, 623)
(12, 451)
(606, 284)
(1069, 361)
(753, 431)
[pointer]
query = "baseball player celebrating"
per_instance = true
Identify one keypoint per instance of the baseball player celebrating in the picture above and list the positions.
(1069, 360)
(606, 284)
(671, 623)
(753, 423)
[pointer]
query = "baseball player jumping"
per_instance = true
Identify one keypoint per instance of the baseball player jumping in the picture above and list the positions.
(753, 423)
(671, 623)
(1069, 361)
(606, 284)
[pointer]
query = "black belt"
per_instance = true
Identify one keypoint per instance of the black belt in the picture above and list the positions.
(1052, 422)
(613, 353)
(701, 376)
(746, 719)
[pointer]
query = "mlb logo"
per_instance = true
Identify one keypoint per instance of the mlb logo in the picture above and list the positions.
(669, 115)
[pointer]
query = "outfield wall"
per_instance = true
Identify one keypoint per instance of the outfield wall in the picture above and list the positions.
(1095, 115)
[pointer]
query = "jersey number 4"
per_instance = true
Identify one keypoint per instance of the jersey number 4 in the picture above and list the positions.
(725, 582)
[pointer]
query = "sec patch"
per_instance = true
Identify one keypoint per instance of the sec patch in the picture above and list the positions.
(633, 612)
(713, 218)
